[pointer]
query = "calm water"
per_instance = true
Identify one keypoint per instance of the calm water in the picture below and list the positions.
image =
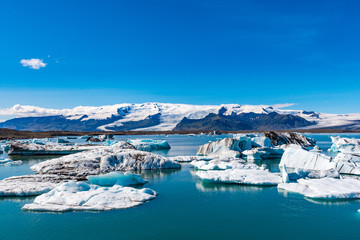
(188, 209)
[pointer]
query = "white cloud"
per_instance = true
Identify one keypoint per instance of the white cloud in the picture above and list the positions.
(33, 63)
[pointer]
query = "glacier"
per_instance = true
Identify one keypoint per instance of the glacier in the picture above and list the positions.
(171, 114)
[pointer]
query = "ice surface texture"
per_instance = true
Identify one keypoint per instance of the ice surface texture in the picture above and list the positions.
(80, 196)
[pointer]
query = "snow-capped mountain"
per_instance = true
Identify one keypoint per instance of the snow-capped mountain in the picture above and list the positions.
(166, 117)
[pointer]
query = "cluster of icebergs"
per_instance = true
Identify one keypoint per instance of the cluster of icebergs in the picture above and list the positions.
(60, 182)
(316, 175)
(100, 177)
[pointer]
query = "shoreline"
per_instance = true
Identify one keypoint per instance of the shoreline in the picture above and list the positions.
(15, 134)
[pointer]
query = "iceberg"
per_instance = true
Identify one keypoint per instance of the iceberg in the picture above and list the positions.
(347, 163)
(217, 164)
(80, 196)
(49, 148)
(345, 145)
(149, 145)
(28, 185)
(228, 147)
(259, 146)
(296, 157)
(324, 188)
(103, 159)
(116, 178)
(251, 175)
(278, 138)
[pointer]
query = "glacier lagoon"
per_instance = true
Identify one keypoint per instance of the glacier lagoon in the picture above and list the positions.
(187, 208)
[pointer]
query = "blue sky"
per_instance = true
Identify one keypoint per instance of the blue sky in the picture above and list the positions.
(199, 52)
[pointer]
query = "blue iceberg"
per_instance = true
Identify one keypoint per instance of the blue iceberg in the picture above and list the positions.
(116, 178)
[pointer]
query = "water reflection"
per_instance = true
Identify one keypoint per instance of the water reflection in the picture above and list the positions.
(17, 199)
(329, 201)
(227, 187)
(158, 173)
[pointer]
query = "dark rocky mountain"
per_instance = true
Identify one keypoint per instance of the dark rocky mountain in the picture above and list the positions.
(244, 121)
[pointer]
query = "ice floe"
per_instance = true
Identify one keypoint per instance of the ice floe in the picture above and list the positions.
(80, 196)
(324, 188)
(217, 164)
(48, 148)
(249, 174)
(28, 185)
(116, 178)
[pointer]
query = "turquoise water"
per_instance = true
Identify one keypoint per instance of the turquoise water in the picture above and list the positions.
(188, 209)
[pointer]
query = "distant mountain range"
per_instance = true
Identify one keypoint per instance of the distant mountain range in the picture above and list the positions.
(166, 117)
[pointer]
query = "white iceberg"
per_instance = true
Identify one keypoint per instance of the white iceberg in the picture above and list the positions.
(296, 157)
(347, 163)
(117, 157)
(227, 147)
(217, 164)
(116, 178)
(345, 145)
(248, 175)
(48, 148)
(324, 188)
(28, 185)
(80, 196)
(149, 145)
